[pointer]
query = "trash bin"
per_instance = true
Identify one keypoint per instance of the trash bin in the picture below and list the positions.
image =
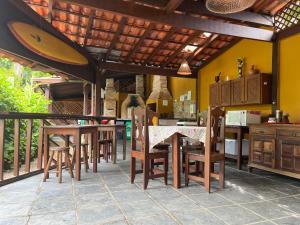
(128, 129)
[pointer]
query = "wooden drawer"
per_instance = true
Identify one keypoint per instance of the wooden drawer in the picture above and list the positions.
(268, 146)
(258, 145)
(287, 150)
(257, 157)
(268, 159)
(264, 131)
(297, 164)
(285, 133)
(287, 163)
(297, 133)
(297, 150)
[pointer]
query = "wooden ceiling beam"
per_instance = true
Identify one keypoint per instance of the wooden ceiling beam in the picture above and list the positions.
(177, 20)
(172, 5)
(139, 69)
(202, 47)
(89, 27)
(140, 42)
(179, 50)
(115, 38)
(199, 8)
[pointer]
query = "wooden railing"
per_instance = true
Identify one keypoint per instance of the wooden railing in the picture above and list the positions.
(21, 141)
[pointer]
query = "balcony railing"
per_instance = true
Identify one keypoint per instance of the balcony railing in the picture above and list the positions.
(21, 141)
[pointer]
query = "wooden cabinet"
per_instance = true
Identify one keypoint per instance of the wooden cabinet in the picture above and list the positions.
(252, 89)
(263, 147)
(258, 89)
(225, 93)
(214, 95)
(237, 91)
(275, 148)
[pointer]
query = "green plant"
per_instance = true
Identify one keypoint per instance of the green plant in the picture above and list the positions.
(18, 95)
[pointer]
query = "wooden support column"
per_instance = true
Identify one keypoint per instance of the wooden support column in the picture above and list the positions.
(49, 97)
(275, 74)
(86, 89)
(96, 96)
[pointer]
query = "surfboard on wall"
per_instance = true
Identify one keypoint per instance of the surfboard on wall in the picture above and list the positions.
(45, 44)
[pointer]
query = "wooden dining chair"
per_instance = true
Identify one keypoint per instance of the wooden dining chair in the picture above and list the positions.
(140, 148)
(209, 155)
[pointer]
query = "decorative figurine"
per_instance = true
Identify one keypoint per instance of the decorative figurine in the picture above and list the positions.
(217, 77)
(253, 70)
(240, 65)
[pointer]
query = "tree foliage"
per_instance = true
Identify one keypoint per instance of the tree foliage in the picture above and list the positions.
(18, 95)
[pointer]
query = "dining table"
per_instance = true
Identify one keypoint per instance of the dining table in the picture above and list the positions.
(76, 131)
(158, 134)
(114, 128)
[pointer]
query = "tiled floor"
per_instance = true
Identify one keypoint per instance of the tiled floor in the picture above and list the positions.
(108, 198)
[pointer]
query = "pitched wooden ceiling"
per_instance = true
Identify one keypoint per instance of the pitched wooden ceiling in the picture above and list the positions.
(145, 35)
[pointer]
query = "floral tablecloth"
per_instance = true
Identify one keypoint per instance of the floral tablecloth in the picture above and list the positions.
(158, 134)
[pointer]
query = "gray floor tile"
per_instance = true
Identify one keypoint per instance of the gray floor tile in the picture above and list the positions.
(130, 196)
(210, 200)
(239, 196)
(195, 217)
(60, 218)
(48, 205)
(96, 200)
(140, 209)
(268, 210)
(293, 220)
(160, 219)
(265, 193)
(178, 204)
(89, 189)
(14, 221)
(99, 215)
(289, 203)
(236, 215)
(14, 209)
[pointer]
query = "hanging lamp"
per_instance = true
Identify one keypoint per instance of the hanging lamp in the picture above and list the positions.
(184, 69)
(228, 6)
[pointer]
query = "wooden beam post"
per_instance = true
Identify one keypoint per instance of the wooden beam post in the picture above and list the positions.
(275, 74)
(96, 96)
(49, 97)
(86, 90)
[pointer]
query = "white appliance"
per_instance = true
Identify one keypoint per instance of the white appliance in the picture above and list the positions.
(186, 123)
(242, 117)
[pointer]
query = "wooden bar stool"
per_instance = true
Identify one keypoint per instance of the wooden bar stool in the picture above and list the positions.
(84, 147)
(59, 154)
(105, 145)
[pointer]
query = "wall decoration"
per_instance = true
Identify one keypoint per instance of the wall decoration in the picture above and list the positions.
(240, 66)
(45, 44)
(217, 77)
(165, 103)
(189, 95)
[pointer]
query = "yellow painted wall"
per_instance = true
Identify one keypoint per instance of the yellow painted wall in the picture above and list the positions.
(255, 52)
(180, 86)
(289, 84)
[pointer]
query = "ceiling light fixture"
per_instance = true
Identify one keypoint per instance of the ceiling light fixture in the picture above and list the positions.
(228, 6)
(184, 69)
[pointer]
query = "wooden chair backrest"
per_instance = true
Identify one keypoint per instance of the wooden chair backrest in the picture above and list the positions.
(215, 132)
(141, 118)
